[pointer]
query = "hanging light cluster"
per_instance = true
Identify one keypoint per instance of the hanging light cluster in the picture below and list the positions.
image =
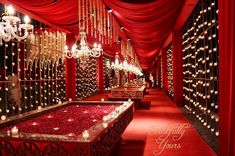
(201, 65)
(84, 50)
(127, 52)
(96, 22)
(86, 78)
(33, 73)
(10, 27)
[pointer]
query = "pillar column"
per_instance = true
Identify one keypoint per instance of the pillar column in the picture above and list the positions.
(70, 71)
(177, 55)
(226, 78)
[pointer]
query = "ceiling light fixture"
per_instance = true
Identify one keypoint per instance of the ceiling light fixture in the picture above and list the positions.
(83, 50)
(10, 27)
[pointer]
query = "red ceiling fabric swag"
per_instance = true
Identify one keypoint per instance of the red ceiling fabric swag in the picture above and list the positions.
(147, 25)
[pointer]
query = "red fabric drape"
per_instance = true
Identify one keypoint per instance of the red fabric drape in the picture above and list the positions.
(70, 69)
(177, 56)
(164, 70)
(70, 80)
(61, 14)
(159, 71)
(226, 78)
(147, 25)
(100, 74)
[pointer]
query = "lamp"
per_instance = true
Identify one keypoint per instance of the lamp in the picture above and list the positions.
(83, 50)
(116, 65)
(10, 26)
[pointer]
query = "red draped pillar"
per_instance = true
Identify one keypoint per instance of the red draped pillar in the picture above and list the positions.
(100, 74)
(164, 70)
(177, 55)
(159, 71)
(70, 69)
(226, 78)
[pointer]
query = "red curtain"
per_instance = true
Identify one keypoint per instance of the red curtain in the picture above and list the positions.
(70, 80)
(164, 70)
(159, 71)
(70, 69)
(226, 78)
(147, 25)
(177, 56)
(60, 14)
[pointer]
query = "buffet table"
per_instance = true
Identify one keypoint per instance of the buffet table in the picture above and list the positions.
(72, 128)
(128, 92)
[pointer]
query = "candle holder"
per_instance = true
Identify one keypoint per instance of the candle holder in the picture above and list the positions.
(105, 118)
(39, 108)
(3, 118)
(14, 131)
(85, 134)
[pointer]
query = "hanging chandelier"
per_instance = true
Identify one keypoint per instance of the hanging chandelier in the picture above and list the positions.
(125, 66)
(83, 50)
(116, 65)
(10, 27)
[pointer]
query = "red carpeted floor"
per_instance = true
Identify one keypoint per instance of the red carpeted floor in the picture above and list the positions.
(161, 129)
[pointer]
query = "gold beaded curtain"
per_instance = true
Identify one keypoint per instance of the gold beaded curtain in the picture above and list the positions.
(97, 22)
(127, 52)
(32, 71)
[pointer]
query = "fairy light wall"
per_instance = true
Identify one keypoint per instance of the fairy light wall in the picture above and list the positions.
(170, 71)
(108, 73)
(201, 70)
(86, 77)
(32, 72)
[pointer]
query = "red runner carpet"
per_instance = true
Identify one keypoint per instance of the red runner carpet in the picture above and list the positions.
(161, 130)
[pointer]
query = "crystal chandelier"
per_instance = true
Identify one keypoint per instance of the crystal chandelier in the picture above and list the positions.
(10, 27)
(125, 66)
(116, 65)
(83, 50)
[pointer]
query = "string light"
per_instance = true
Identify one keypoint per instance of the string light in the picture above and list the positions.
(200, 64)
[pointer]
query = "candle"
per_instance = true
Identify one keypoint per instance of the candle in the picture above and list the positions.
(105, 118)
(3, 117)
(102, 99)
(85, 134)
(70, 99)
(105, 124)
(39, 107)
(14, 130)
(129, 100)
(34, 123)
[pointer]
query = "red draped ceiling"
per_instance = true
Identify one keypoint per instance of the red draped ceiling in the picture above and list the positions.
(147, 25)
(61, 13)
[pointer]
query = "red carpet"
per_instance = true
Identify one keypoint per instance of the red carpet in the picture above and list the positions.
(160, 130)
